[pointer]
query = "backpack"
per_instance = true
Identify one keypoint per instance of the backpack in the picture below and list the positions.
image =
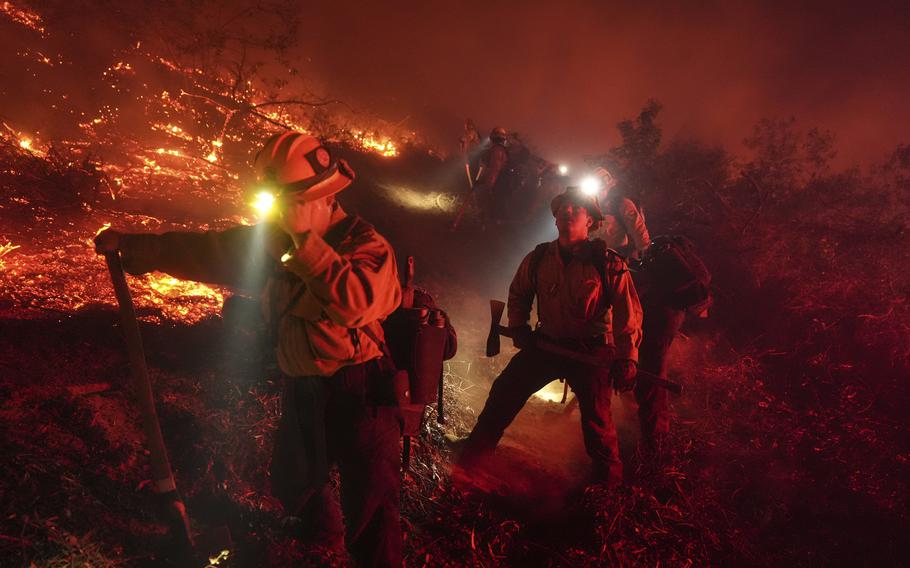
(418, 338)
(672, 267)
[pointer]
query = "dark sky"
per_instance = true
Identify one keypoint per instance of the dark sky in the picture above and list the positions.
(563, 73)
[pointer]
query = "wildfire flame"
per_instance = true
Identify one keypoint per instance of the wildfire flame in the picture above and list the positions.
(383, 147)
(5, 250)
(192, 142)
(22, 16)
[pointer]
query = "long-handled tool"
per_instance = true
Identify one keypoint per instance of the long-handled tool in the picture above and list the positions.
(162, 478)
(470, 197)
(496, 330)
(215, 541)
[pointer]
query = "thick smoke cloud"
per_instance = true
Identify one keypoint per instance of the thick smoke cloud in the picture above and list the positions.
(565, 73)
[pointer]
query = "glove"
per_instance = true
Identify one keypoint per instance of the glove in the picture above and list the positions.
(277, 242)
(622, 374)
(107, 241)
(522, 337)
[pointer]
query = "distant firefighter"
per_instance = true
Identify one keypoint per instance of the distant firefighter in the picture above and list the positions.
(586, 303)
(470, 138)
(327, 280)
(493, 181)
(624, 228)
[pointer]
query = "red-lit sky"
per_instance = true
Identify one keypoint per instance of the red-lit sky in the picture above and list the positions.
(563, 73)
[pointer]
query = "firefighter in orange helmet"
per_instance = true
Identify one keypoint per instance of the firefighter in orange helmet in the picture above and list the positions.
(326, 280)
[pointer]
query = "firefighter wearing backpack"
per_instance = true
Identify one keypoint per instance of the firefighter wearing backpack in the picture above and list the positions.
(672, 281)
(586, 302)
(326, 280)
(623, 228)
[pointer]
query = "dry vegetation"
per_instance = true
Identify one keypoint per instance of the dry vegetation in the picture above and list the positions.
(789, 447)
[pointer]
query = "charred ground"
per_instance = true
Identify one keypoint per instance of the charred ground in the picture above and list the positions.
(789, 446)
(786, 448)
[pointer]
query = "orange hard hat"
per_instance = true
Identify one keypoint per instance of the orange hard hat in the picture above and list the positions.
(300, 163)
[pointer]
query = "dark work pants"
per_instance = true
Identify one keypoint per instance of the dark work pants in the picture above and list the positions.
(529, 371)
(325, 421)
(661, 324)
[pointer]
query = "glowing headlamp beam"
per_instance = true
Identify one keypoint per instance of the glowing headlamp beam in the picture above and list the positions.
(264, 202)
(590, 185)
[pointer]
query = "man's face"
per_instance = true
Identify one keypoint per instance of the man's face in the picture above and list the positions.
(573, 220)
(299, 216)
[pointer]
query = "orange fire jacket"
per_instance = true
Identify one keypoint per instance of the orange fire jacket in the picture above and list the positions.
(336, 291)
(574, 302)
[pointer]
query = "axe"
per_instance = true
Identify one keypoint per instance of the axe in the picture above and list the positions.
(496, 309)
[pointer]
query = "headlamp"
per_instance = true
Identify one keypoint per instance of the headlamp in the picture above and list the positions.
(563, 169)
(264, 201)
(590, 185)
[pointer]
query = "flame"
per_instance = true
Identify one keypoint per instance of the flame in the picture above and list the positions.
(25, 143)
(91, 240)
(216, 560)
(383, 147)
(179, 299)
(22, 16)
(170, 287)
(5, 250)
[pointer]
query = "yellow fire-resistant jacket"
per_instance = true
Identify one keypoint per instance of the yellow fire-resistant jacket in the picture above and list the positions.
(323, 296)
(574, 302)
(623, 227)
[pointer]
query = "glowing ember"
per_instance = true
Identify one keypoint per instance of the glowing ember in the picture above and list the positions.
(22, 16)
(5, 250)
(169, 286)
(25, 143)
(384, 147)
(178, 299)
(216, 560)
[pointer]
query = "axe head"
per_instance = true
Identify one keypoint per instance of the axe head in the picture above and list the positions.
(496, 309)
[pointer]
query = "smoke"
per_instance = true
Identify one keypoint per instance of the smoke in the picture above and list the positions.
(563, 76)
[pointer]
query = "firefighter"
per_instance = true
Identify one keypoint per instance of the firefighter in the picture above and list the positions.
(623, 228)
(470, 138)
(672, 281)
(326, 281)
(586, 302)
(493, 180)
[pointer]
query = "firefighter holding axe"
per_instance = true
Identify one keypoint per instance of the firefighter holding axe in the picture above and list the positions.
(588, 333)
